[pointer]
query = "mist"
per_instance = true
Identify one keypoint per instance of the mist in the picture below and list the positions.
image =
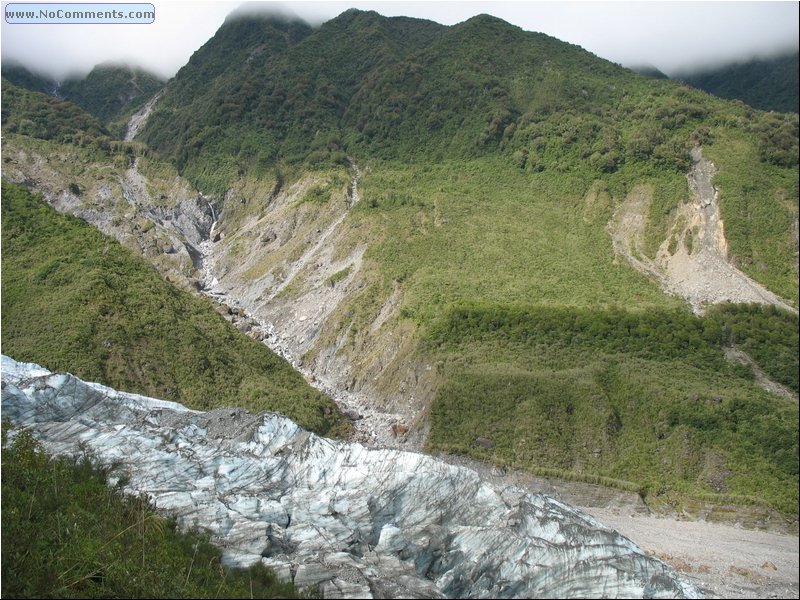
(674, 37)
(699, 69)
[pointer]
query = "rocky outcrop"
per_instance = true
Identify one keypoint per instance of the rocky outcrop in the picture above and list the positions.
(357, 522)
(160, 217)
(139, 118)
(692, 261)
(295, 268)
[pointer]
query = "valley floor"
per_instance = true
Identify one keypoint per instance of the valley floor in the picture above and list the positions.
(723, 561)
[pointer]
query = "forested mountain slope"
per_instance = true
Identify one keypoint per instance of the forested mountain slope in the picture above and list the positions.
(475, 227)
(766, 83)
(109, 92)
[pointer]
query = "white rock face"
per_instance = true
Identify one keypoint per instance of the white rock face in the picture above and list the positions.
(358, 522)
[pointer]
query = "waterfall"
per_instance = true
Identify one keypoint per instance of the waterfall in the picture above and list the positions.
(214, 219)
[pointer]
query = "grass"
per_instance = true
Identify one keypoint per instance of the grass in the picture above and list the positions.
(489, 177)
(645, 398)
(68, 534)
(509, 280)
(483, 230)
(759, 207)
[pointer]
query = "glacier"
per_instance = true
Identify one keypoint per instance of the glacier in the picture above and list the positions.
(357, 522)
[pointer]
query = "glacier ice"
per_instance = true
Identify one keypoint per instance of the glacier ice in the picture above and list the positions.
(357, 522)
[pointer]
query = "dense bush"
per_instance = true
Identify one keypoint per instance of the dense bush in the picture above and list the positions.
(767, 84)
(769, 335)
(640, 397)
(653, 334)
(110, 91)
(38, 115)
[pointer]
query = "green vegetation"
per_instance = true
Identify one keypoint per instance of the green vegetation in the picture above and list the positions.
(642, 397)
(485, 231)
(22, 77)
(770, 336)
(767, 84)
(338, 276)
(74, 300)
(411, 95)
(492, 162)
(67, 534)
(37, 115)
(759, 200)
(110, 91)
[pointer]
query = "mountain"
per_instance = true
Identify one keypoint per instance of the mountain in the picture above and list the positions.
(649, 71)
(74, 298)
(764, 83)
(111, 91)
(498, 243)
(264, 87)
(20, 76)
(41, 116)
(361, 82)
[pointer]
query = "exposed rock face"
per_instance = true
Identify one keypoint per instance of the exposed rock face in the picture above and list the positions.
(692, 262)
(138, 120)
(698, 269)
(358, 522)
(152, 211)
(295, 269)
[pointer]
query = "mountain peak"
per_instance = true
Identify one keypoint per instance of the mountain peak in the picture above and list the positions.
(263, 11)
(487, 19)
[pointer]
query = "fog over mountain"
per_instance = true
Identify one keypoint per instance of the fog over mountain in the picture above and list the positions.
(412, 239)
(765, 83)
(672, 36)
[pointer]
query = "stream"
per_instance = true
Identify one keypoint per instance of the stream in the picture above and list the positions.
(372, 427)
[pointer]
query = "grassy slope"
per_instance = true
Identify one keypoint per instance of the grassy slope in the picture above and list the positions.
(644, 397)
(759, 202)
(483, 229)
(67, 534)
(480, 145)
(577, 384)
(413, 93)
(75, 300)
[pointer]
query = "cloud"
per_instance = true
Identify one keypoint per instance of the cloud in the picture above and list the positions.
(162, 47)
(672, 36)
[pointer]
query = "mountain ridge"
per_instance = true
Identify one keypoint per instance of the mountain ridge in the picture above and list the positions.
(110, 91)
(467, 239)
(763, 83)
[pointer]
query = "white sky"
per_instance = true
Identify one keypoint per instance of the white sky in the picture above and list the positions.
(671, 36)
